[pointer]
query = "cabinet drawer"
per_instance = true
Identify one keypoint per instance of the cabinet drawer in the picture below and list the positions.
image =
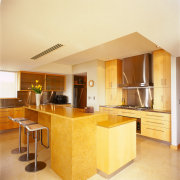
(156, 132)
(156, 122)
(4, 119)
(155, 115)
(8, 125)
(129, 113)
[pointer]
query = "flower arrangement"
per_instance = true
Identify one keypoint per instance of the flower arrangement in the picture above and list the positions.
(37, 88)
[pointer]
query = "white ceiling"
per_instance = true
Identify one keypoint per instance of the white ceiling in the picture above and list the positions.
(126, 46)
(30, 27)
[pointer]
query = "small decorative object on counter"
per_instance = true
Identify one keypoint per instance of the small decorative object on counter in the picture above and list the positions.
(89, 109)
(37, 88)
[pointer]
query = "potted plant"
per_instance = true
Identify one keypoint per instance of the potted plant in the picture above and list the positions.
(37, 88)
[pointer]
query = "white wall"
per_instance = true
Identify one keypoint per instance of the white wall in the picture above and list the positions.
(178, 98)
(69, 88)
(174, 125)
(54, 68)
(101, 82)
(95, 71)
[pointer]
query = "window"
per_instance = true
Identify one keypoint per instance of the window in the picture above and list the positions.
(8, 84)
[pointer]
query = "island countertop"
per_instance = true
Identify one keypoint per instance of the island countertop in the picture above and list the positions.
(68, 112)
(114, 120)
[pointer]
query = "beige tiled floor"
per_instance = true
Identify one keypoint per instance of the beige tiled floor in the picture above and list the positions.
(155, 161)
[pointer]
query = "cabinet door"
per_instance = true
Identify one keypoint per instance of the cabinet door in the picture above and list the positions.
(5, 122)
(113, 73)
(162, 68)
(158, 98)
(167, 70)
(56, 83)
(113, 96)
(162, 98)
(158, 63)
(108, 74)
(27, 79)
(113, 76)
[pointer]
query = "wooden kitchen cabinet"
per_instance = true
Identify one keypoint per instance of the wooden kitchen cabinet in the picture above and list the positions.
(156, 125)
(113, 79)
(162, 80)
(55, 82)
(49, 82)
(29, 78)
(113, 96)
(162, 98)
(113, 73)
(162, 68)
(5, 122)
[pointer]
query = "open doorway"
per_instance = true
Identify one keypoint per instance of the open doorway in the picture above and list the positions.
(80, 90)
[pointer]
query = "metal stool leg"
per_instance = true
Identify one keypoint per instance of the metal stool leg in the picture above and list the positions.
(20, 149)
(28, 156)
(37, 165)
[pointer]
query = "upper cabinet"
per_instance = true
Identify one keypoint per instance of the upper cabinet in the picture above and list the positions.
(54, 82)
(162, 68)
(49, 82)
(113, 73)
(29, 78)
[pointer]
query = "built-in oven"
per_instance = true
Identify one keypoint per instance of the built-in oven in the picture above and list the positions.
(138, 125)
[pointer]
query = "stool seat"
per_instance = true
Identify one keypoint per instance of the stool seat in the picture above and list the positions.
(36, 127)
(27, 122)
(17, 119)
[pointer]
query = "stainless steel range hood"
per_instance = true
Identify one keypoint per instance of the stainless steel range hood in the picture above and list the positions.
(137, 71)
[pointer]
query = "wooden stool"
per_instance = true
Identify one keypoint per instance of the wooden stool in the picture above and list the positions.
(37, 165)
(28, 156)
(20, 149)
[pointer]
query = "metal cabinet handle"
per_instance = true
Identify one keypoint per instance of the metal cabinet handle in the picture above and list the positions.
(155, 129)
(155, 122)
(154, 116)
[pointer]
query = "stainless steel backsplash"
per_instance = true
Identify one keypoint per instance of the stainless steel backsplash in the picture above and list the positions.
(142, 97)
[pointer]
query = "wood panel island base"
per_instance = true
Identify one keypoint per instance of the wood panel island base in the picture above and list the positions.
(72, 139)
(116, 144)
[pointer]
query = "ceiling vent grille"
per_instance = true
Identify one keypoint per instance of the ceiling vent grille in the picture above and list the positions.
(47, 51)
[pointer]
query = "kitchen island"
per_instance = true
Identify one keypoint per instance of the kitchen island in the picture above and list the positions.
(72, 138)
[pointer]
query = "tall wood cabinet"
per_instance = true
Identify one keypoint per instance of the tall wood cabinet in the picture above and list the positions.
(113, 79)
(162, 79)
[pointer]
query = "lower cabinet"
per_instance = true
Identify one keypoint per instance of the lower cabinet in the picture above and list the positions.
(156, 125)
(5, 122)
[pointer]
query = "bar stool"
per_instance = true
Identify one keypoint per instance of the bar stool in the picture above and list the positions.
(28, 156)
(37, 165)
(20, 149)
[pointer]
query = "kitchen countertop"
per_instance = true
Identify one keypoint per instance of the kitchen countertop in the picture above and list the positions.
(114, 121)
(146, 110)
(61, 111)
